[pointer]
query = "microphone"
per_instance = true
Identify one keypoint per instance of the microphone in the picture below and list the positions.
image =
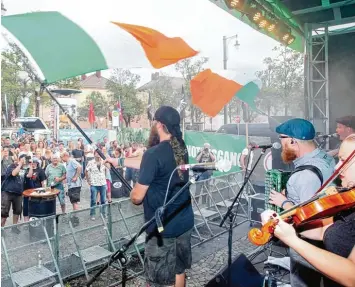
(221, 165)
(275, 145)
(335, 135)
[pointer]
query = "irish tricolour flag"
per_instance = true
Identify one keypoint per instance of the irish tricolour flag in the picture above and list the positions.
(212, 90)
(60, 46)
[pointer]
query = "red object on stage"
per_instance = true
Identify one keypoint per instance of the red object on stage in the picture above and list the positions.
(91, 114)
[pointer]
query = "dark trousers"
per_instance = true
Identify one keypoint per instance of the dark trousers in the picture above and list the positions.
(302, 273)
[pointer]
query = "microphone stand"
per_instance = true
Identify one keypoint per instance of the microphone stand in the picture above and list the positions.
(120, 253)
(231, 215)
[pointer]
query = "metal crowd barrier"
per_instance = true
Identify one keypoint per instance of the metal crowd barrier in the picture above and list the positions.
(50, 250)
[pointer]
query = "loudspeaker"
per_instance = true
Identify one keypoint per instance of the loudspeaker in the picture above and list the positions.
(118, 190)
(243, 274)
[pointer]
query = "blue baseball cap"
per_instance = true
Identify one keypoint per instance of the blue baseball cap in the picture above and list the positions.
(297, 128)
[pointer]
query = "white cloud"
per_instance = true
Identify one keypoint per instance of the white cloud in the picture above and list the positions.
(201, 23)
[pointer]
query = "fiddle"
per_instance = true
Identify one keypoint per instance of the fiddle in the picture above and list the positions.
(318, 207)
(315, 208)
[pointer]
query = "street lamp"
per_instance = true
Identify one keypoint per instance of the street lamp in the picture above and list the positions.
(225, 59)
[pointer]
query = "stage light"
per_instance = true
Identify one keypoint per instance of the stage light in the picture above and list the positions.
(291, 39)
(234, 4)
(271, 26)
(263, 23)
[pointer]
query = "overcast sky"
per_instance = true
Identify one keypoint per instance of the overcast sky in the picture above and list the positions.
(200, 22)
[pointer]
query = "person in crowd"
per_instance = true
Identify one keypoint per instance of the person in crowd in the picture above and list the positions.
(78, 155)
(173, 245)
(33, 146)
(206, 155)
(74, 181)
(246, 160)
(38, 154)
(337, 262)
(312, 167)
(56, 174)
(108, 179)
(132, 174)
(27, 149)
(47, 158)
(89, 153)
(12, 189)
(6, 161)
(345, 128)
(8, 145)
(41, 147)
(96, 177)
(71, 146)
(35, 177)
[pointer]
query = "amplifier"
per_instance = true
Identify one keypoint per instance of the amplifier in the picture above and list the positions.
(256, 206)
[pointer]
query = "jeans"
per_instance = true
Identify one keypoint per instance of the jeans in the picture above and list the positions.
(94, 190)
(302, 273)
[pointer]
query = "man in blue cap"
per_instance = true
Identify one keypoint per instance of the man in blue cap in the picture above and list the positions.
(312, 167)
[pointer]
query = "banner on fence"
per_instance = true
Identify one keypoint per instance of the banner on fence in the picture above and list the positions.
(224, 146)
(97, 135)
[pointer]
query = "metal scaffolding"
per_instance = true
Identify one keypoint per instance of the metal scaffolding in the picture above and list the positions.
(317, 76)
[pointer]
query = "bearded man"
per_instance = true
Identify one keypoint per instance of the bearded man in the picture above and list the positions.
(167, 254)
(312, 167)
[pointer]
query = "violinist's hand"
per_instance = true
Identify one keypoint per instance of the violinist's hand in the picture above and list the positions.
(267, 215)
(277, 198)
(285, 232)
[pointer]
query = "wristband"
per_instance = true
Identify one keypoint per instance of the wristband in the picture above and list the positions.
(286, 201)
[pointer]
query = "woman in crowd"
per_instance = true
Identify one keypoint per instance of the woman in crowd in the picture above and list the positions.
(71, 146)
(33, 147)
(40, 147)
(337, 262)
(38, 154)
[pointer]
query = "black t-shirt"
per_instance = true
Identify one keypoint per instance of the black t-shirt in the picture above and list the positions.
(14, 184)
(157, 165)
(36, 179)
(77, 153)
(339, 238)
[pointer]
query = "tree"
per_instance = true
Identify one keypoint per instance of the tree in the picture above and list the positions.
(13, 62)
(101, 105)
(282, 81)
(123, 88)
(189, 68)
(12, 86)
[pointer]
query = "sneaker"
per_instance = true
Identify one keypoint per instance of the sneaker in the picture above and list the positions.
(93, 218)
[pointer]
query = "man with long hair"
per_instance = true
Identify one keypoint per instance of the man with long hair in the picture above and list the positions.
(167, 254)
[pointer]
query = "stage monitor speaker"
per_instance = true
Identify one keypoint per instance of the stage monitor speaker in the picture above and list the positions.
(244, 274)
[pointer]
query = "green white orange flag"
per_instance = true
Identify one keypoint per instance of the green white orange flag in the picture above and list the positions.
(60, 47)
(212, 90)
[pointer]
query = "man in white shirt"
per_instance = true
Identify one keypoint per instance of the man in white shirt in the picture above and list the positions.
(244, 159)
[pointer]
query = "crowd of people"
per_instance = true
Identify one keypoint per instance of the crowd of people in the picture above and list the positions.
(27, 164)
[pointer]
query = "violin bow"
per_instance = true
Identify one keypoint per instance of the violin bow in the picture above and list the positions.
(337, 171)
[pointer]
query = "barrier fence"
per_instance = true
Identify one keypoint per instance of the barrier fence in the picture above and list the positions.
(51, 250)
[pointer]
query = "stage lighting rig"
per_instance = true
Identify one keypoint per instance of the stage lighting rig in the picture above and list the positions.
(234, 4)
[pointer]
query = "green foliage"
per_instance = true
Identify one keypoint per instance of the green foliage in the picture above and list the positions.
(101, 105)
(282, 82)
(129, 135)
(163, 93)
(123, 88)
(13, 61)
(189, 68)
